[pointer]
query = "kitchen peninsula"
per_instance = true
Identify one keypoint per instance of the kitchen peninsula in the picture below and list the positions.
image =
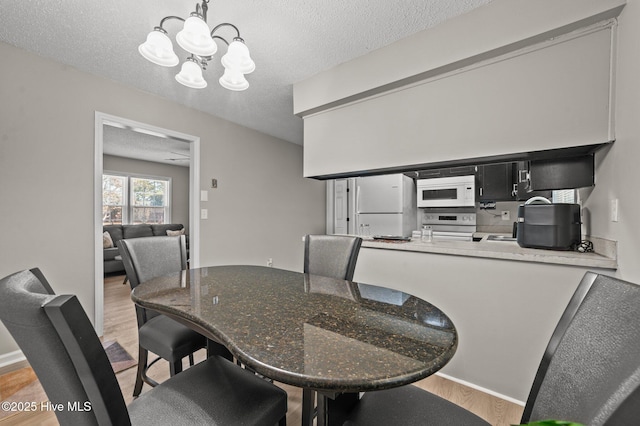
(505, 300)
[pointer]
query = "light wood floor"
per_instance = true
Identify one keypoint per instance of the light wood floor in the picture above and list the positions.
(120, 325)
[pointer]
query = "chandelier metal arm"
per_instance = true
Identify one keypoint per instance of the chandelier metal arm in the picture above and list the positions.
(166, 18)
(221, 38)
(226, 24)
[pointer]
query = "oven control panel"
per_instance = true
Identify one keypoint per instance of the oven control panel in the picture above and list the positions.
(465, 219)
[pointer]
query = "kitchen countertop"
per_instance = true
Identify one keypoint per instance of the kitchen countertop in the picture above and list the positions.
(604, 256)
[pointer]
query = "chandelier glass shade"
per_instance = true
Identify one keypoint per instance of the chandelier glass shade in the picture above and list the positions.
(159, 49)
(233, 80)
(199, 41)
(190, 75)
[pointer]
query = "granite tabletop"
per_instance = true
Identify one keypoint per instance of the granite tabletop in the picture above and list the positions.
(307, 330)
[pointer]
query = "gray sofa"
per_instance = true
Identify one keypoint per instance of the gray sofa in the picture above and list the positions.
(119, 232)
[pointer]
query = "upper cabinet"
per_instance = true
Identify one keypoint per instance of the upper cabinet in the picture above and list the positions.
(495, 182)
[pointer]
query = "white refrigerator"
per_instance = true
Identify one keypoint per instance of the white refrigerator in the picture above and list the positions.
(385, 206)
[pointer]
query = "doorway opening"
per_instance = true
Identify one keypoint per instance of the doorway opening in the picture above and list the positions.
(102, 120)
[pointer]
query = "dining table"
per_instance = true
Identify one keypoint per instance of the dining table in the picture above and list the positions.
(333, 338)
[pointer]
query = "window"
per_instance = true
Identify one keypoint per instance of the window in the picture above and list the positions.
(114, 199)
(564, 196)
(135, 199)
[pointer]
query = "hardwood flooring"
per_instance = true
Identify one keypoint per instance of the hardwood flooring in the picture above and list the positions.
(120, 325)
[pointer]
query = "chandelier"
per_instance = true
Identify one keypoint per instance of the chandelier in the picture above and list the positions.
(199, 42)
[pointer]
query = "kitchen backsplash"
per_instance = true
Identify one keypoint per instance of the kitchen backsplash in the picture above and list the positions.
(491, 220)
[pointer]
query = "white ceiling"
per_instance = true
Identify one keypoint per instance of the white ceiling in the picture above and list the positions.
(289, 41)
(130, 143)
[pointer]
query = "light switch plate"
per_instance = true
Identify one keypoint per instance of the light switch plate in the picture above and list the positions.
(204, 214)
(204, 196)
(614, 210)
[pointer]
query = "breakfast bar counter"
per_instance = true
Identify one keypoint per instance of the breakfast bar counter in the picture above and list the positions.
(603, 256)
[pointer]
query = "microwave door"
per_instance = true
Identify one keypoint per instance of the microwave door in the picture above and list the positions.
(446, 195)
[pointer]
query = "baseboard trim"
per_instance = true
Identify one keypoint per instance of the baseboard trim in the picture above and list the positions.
(481, 389)
(12, 361)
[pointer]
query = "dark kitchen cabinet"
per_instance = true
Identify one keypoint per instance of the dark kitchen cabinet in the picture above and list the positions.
(521, 177)
(562, 173)
(495, 182)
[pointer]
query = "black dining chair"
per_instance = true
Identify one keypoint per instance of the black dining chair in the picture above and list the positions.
(146, 258)
(590, 371)
(61, 346)
(332, 256)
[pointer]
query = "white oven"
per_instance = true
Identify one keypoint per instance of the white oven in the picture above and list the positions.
(454, 191)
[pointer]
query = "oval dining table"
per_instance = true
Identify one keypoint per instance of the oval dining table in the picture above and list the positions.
(324, 335)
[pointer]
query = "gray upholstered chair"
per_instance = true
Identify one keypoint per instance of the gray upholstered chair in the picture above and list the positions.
(590, 371)
(146, 258)
(59, 342)
(332, 256)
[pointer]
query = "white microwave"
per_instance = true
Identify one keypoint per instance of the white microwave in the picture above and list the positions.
(455, 191)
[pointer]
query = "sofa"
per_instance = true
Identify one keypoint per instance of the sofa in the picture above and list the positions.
(114, 233)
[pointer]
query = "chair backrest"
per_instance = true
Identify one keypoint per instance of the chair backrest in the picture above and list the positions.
(56, 336)
(332, 256)
(150, 257)
(590, 372)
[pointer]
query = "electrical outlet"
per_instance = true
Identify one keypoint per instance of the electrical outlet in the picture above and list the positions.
(270, 263)
(506, 215)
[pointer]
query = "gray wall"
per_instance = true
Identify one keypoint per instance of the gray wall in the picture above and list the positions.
(262, 209)
(179, 181)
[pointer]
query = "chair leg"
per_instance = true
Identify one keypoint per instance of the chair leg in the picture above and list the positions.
(308, 407)
(175, 367)
(142, 365)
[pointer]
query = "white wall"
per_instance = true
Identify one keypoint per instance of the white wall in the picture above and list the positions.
(262, 208)
(179, 181)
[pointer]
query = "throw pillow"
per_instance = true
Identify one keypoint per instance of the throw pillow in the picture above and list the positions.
(175, 233)
(107, 242)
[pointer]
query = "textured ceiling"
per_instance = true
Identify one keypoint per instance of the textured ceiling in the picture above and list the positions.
(289, 42)
(130, 143)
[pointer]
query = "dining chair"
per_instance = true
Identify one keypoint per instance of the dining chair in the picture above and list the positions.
(332, 256)
(146, 258)
(590, 371)
(56, 336)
